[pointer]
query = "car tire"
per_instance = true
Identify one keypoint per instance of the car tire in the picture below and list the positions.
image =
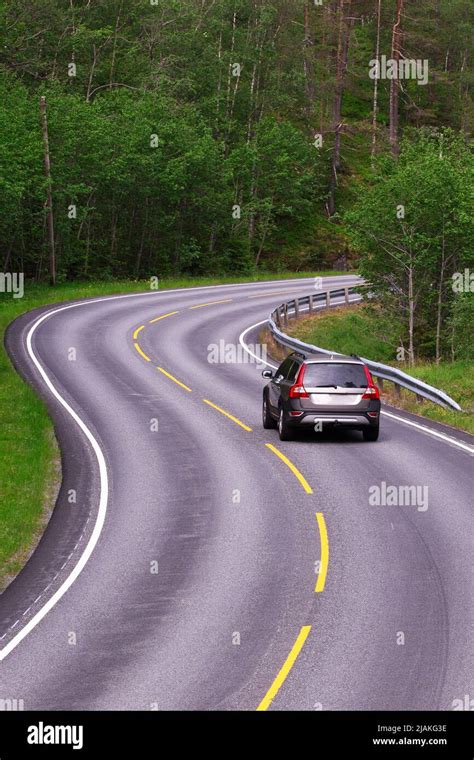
(284, 430)
(267, 420)
(371, 433)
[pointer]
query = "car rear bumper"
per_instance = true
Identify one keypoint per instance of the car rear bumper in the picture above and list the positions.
(335, 419)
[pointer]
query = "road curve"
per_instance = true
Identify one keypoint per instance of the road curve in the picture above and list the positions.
(191, 567)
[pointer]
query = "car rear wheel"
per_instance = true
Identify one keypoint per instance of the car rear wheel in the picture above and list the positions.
(371, 434)
(268, 422)
(286, 433)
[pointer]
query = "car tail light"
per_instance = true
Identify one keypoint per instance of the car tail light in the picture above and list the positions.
(298, 390)
(372, 391)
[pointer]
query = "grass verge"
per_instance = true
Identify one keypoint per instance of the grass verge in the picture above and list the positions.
(29, 456)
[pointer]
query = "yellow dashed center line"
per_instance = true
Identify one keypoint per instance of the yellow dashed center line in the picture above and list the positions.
(142, 353)
(178, 382)
(137, 331)
(211, 303)
(324, 553)
(320, 583)
(292, 467)
(288, 664)
(157, 319)
(226, 414)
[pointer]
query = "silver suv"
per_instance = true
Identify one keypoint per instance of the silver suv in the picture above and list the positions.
(310, 391)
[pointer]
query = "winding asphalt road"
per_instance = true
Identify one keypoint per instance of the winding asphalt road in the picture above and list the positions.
(188, 566)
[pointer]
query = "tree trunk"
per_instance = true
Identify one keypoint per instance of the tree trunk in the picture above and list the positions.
(113, 236)
(219, 84)
(376, 83)
(85, 217)
(49, 196)
(440, 302)
(88, 247)
(326, 60)
(453, 341)
(114, 46)
(229, 71)
(91, 73)
(411, 317)
(181, 211)
(461, 97)
(345, 26)
(251, 106)
(446, 61)
(142, 242)
(253, 195)
(254, 116)
(394, 83)
(307, 67)
(254, 91)
(232, 103)
(212, 239)
(6, 262)
(264, 235)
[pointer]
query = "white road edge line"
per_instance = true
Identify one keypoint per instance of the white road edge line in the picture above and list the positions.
(423, 428)
(435, 433)
(103, 476)
(104, 488)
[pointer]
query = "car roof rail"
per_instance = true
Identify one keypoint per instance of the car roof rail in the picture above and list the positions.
(300, 353)
(355, 356)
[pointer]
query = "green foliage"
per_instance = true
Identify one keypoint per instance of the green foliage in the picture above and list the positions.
(461, 324)
(413, 226)
(116, 72)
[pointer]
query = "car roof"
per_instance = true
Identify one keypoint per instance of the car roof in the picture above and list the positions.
(330, 359)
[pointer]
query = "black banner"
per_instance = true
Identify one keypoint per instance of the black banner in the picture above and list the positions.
(374, 734)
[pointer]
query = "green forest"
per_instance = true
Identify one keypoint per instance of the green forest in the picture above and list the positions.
(162, 138)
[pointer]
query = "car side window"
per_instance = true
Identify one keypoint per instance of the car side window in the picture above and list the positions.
(293, 372)
(284, 368)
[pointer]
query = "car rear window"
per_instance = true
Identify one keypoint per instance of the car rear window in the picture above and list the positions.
(334, 374)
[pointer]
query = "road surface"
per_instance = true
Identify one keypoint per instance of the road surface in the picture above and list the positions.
(190, 565)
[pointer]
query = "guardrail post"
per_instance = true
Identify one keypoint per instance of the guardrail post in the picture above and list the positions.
(419, 399)
(311, 303)
(380, 383)
(297, 308)
(328, 299)
(398, 390)
(276, 316)
(285, 313)
(346, 295)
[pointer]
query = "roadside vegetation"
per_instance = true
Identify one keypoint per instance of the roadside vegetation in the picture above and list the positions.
(364, 331)
(413, 228)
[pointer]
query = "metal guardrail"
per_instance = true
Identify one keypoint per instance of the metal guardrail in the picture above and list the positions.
(280, 317)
